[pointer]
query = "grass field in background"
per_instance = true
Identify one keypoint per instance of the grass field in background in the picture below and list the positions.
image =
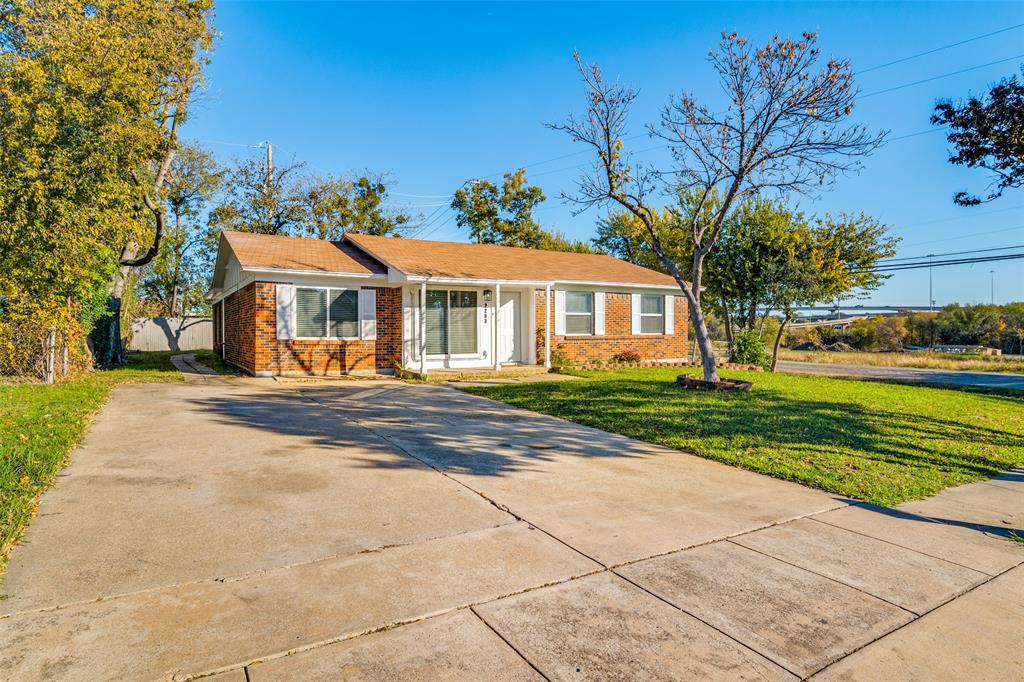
(880, 442)
(40, 425)
(924, 360)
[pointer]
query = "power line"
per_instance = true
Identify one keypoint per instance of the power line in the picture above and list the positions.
(434, 216)
(941, 263)
(938, 49)
(231, 144)
(923, 132)
(963, 217)
(935, 78)
(966, 236)
(951, 253)
(423, 196)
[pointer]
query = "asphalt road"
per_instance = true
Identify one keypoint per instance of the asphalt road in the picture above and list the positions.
(930, 376)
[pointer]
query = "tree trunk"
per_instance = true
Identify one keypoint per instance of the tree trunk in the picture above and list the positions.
(707, 350)
(727, 321)
(174, 299)
(778, 339)
(108, 344)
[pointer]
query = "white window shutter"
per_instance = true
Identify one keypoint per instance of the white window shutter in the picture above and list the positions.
(559, 313)
(368, 314)
(285, 311)
(670, 314)
(599, 313)
(636, 313)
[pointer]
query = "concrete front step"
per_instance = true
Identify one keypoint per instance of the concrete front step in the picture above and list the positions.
(506, 371)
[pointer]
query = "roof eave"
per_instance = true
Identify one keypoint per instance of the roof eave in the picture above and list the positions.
(258, 270)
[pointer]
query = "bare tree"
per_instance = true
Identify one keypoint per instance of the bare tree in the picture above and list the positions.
(782, 130)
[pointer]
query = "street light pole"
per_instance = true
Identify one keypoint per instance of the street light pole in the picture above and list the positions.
(931, 299)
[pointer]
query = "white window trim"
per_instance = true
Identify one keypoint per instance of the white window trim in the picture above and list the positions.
(359, 314)
(479, 324)
(661, 315)
(591, 314)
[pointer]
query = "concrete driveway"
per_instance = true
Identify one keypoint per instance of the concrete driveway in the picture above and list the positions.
(927, 376)
(255, 530)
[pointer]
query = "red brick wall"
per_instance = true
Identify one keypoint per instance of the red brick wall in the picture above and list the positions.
(239, 328)
(618, 336)
(252, 343)
(388, 349)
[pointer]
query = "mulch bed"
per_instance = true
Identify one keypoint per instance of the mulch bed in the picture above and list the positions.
(727, 385)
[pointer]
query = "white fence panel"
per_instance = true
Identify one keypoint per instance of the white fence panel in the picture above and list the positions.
(172, 333)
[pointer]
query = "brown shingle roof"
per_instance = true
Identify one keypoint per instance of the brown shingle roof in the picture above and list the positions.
(417, 257)
(295, 253)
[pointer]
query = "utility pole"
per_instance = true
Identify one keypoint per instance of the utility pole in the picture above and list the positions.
(992, 286)
(931, 299)
(270, 165)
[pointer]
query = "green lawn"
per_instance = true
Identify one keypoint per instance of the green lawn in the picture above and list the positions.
(40, 425)
(880, 442)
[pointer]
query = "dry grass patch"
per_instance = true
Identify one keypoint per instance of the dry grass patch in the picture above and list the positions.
(923, 360)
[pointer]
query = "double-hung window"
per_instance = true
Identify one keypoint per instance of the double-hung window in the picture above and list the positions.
(652, 314)
(451, 322)
(579, 312)
(326, 313)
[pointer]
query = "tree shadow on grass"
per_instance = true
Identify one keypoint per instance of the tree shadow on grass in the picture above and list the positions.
(831, 433)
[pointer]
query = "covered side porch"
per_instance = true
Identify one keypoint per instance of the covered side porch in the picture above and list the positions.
(458, 325)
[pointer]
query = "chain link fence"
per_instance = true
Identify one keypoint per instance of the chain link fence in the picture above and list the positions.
(33, 351)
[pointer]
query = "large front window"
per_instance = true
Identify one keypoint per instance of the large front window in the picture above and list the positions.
(326, 313)
(451, 322)
(579, 312)
(652, 314)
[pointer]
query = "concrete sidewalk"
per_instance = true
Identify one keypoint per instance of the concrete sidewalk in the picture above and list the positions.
(927, 376)
(252, 530)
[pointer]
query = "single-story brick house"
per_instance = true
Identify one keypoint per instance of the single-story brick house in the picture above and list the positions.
(292, 306)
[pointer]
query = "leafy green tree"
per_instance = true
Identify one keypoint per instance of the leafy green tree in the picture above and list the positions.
(330, 208)
(623, 235)
(175, 282)
(91, 98)
(832, 260)
(971, 325)
(755, 256)
(988, 133)
(502, 215)
(553, 240)
(259, 199)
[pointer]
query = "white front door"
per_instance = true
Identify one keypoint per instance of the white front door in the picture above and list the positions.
(509, 324)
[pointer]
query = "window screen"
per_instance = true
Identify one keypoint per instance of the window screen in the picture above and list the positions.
(652, 314)
(344, 313)
(579, 312)
(463, 322)
(311, 312)
(437, 322)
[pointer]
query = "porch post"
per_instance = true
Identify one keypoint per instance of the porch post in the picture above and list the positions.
(547, 326)
(423, 328)
(497, 311)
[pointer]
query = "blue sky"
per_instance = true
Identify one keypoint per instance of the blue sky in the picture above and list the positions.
(436, 94)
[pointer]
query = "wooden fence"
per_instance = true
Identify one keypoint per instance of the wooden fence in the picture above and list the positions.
(172, 333)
